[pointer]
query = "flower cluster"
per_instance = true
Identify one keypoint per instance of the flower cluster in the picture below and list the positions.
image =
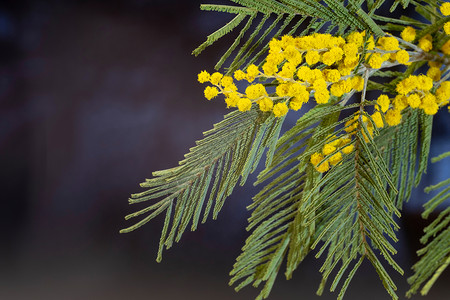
(326, 68)
(318, 65)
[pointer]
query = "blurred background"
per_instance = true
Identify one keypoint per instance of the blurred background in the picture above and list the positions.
(94, 96)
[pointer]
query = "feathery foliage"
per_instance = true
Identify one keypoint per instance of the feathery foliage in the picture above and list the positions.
(435, 256)
(345, 213)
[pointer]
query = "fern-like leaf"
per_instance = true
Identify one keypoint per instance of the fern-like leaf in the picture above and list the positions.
(232, 149)
(435, 256)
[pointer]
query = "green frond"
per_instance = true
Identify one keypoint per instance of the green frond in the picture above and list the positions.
(280, 231)
(355, 209)
(231, 150)
(435, 255)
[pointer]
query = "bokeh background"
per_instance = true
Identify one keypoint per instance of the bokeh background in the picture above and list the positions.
(94, 96)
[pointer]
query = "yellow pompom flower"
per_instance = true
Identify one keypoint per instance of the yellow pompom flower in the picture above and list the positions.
(388, 43)
(255, 91)
(227, 82)
(252, 72)
(400, 102)
(375, 61)
(393, 117)
(445, 9)
(328, 149)
(203, 77)
(239, 75)
(336, 89)
(215, 78)
(265, 104)
(429, 104)
(211, 92)
(322, 96)
(425, 43)
(332, 75)
(280, 109)
(414, 100)
(447, 27)
(325, 166)
(356, 38)
(295, 104)
(316, 158)
(434, 73)
(269, 68)
(232, 99)
(297, 90)
(349, 149)
(443, 92)
(244, 104)
(335, 159)
(305, 73)
(357, 83)
(312, 57)
(377, 119)
(383, 101)
(282, 89)
(446, 48)
(402, 56)
(408, 34)
(350, 49)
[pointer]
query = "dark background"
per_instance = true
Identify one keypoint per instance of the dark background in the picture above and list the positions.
(94, 96)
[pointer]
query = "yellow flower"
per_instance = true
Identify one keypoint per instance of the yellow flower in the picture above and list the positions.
(447, 27)
(316, 158)
(402, 56)
(413, 100)
(244, 104)
(332, 75)
(388, 43)
(215, 78)
(295, 104)
(348, 149)
(280, 109)
(446, 47)
(252, 72)
(203, 77)
(429, 104)
(239, 75)
(265, 104)
(227, 82)
(375, 61)
(328, 149)
(383, 101)
(232, 99)
(335, 159)
(325, 166)
(425, 43)
(255, 91)
(356, 38)
(336, 89)
(269, 68)
(408, 34)
(445, 9)
(282, 89)
(312, 57)
(321, 96)
(211, 92)
(357, 83)
(434, 73)
(400, 102)
(305, 73)
(443, 92)
(393, 117)
(377, 119)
